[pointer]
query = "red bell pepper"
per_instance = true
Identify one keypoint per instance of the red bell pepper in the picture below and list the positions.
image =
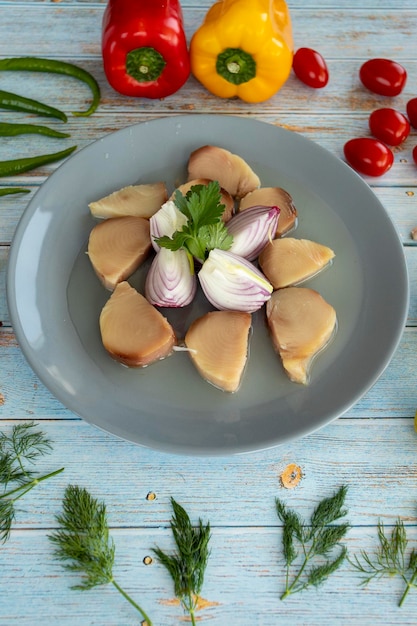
(144, 47)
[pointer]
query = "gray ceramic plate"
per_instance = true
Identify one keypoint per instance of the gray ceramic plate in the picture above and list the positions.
(55, 298)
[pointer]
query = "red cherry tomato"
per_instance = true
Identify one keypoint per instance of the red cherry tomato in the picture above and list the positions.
(412, 111)
(368, 156)
(389, 126)
(382, 76)
(310, 67)
(415, 154)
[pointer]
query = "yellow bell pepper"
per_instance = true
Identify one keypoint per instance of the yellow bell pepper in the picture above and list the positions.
(244, 49)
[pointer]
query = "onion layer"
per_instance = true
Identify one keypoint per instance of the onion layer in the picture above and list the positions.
(231, 282)
(169, 282)
(252, 229)
(166, 221)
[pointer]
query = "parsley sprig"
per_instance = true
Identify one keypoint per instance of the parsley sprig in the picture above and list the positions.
(187, 566)
(18, 453)
(390, 559)
(204, 229)
(319, 538)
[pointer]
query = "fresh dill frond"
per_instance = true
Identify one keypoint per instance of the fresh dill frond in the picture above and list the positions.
(29, 444)
(83, 540)
(302, 542)
(188, 564)
(23, 445)
(390, 559)
(7, 516)
(18, 454)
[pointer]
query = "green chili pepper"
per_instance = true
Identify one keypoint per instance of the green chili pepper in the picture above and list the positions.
(39, 64)
(17, 166)
(11, 130)
(10, 190)
(14, 102)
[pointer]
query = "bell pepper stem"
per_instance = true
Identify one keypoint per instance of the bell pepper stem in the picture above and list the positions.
(236, 66)
(145, 64)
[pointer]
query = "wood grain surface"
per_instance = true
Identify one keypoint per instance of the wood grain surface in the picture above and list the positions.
(372, 448)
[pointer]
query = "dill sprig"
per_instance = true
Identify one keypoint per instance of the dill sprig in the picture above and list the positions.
(187, 566)
(83, 539)
(18, 452)
(390, 559)
(317, 539)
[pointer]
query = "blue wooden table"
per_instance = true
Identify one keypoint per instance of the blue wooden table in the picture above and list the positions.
(372, 448)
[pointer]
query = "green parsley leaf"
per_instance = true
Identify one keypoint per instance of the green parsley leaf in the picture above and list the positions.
(204, 204)
(215, 236)
(204, 230)
(176, 242)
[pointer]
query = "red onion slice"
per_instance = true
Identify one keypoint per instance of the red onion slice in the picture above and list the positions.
(252, 229)
(169, 281)
(166, 221)
(231, 282)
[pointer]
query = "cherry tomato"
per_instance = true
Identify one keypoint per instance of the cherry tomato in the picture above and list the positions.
(382, 76)
(368, 156)
(389, 126)
(415, 154)
(412, 111)
(310, 67)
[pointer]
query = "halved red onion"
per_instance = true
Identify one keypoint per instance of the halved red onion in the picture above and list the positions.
(166, 221)
(169, 281)
(252, 229)
(231, 282)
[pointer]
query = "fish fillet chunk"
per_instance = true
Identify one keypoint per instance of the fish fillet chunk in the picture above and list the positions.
(301, 323)
(218, 344)
(273, 196)
(289, 261)
(140, 200)
(230, 170)
(132, 330)
(117, 247)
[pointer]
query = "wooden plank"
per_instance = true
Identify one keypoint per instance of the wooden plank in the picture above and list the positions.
(243, 582)
(294, 4)
(338, 32)
(344, 94)
(330, 134)
(371, 448)
(233, 491)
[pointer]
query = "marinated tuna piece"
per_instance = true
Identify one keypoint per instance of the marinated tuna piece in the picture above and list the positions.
(230, 170)
(138, 200)
(226, 198)
(301, 323)
(289, 261)
(132, 330)
(117, 247)
(273, 196)
(218, 344)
